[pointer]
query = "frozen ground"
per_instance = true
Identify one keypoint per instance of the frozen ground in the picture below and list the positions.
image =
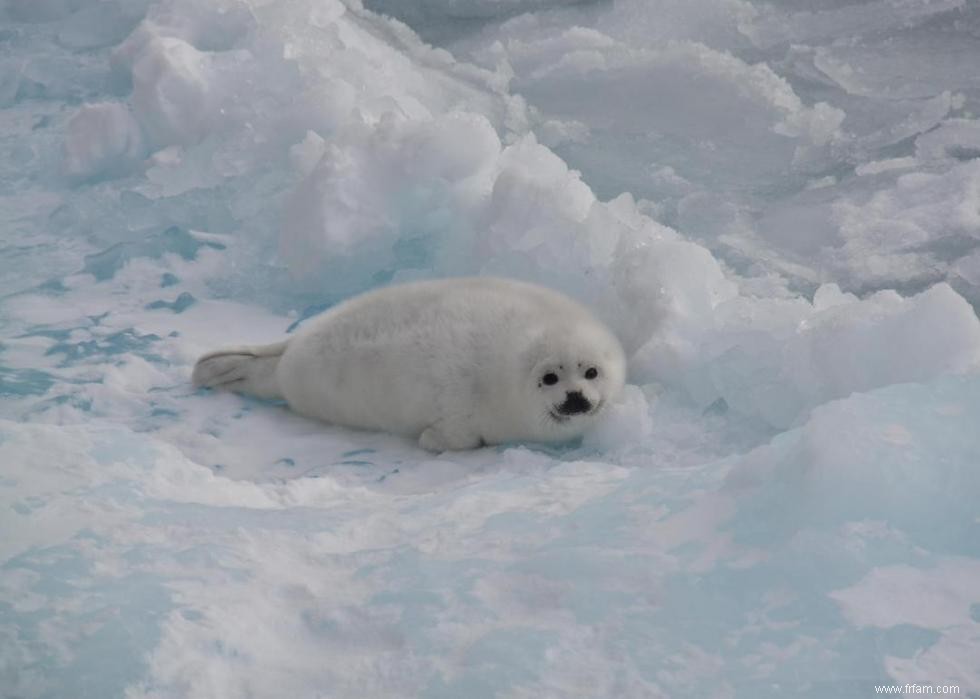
(784, 504)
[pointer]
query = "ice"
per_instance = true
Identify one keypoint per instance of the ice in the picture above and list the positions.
(374, 183)
(42, 10)
(932, 599)
(101, 24)
(102, 139)
(826, 21)
(774, 205)
(954, 138)
(769, 179)
(777, 359)
(171, 94)
(627, 421)
(443, 195)
(660, 85)
(874, 456)
(904, 234)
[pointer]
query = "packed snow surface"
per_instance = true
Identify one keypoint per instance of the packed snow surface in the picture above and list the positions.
(776, 206)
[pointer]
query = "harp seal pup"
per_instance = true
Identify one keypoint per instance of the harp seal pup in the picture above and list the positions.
(456, 363)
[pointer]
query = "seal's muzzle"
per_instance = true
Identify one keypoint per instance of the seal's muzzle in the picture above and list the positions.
(575, 404)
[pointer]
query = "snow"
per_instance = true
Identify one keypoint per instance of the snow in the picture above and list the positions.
(775, 206)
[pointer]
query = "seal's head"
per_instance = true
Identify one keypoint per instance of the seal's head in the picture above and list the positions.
(574, 374)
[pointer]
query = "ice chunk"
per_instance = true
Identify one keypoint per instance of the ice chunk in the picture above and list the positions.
(102, 139)
(435, 19)
(909, 69)
(627, 422)
(905, 456)
(378, 183)
(305, 155)
(172, 95)
(535, 205)
(776, 360)
(830, 295)
(907, 233)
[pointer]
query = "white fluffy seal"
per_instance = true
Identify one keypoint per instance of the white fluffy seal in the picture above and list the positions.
(457, 363)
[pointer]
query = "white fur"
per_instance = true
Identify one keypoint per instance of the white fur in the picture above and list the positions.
(456, 362)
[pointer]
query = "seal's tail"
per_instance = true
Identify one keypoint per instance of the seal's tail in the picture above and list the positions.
(250, 370)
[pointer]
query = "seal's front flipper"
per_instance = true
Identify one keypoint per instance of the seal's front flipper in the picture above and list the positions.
(446, 436)
(250, 370)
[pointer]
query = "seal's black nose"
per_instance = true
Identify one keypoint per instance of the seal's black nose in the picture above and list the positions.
(574, 404)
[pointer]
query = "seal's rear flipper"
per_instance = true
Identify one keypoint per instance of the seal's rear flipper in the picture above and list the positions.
(250, 370)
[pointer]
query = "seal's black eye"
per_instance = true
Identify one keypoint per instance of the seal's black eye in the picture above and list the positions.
(550, 379)
(591, 373)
